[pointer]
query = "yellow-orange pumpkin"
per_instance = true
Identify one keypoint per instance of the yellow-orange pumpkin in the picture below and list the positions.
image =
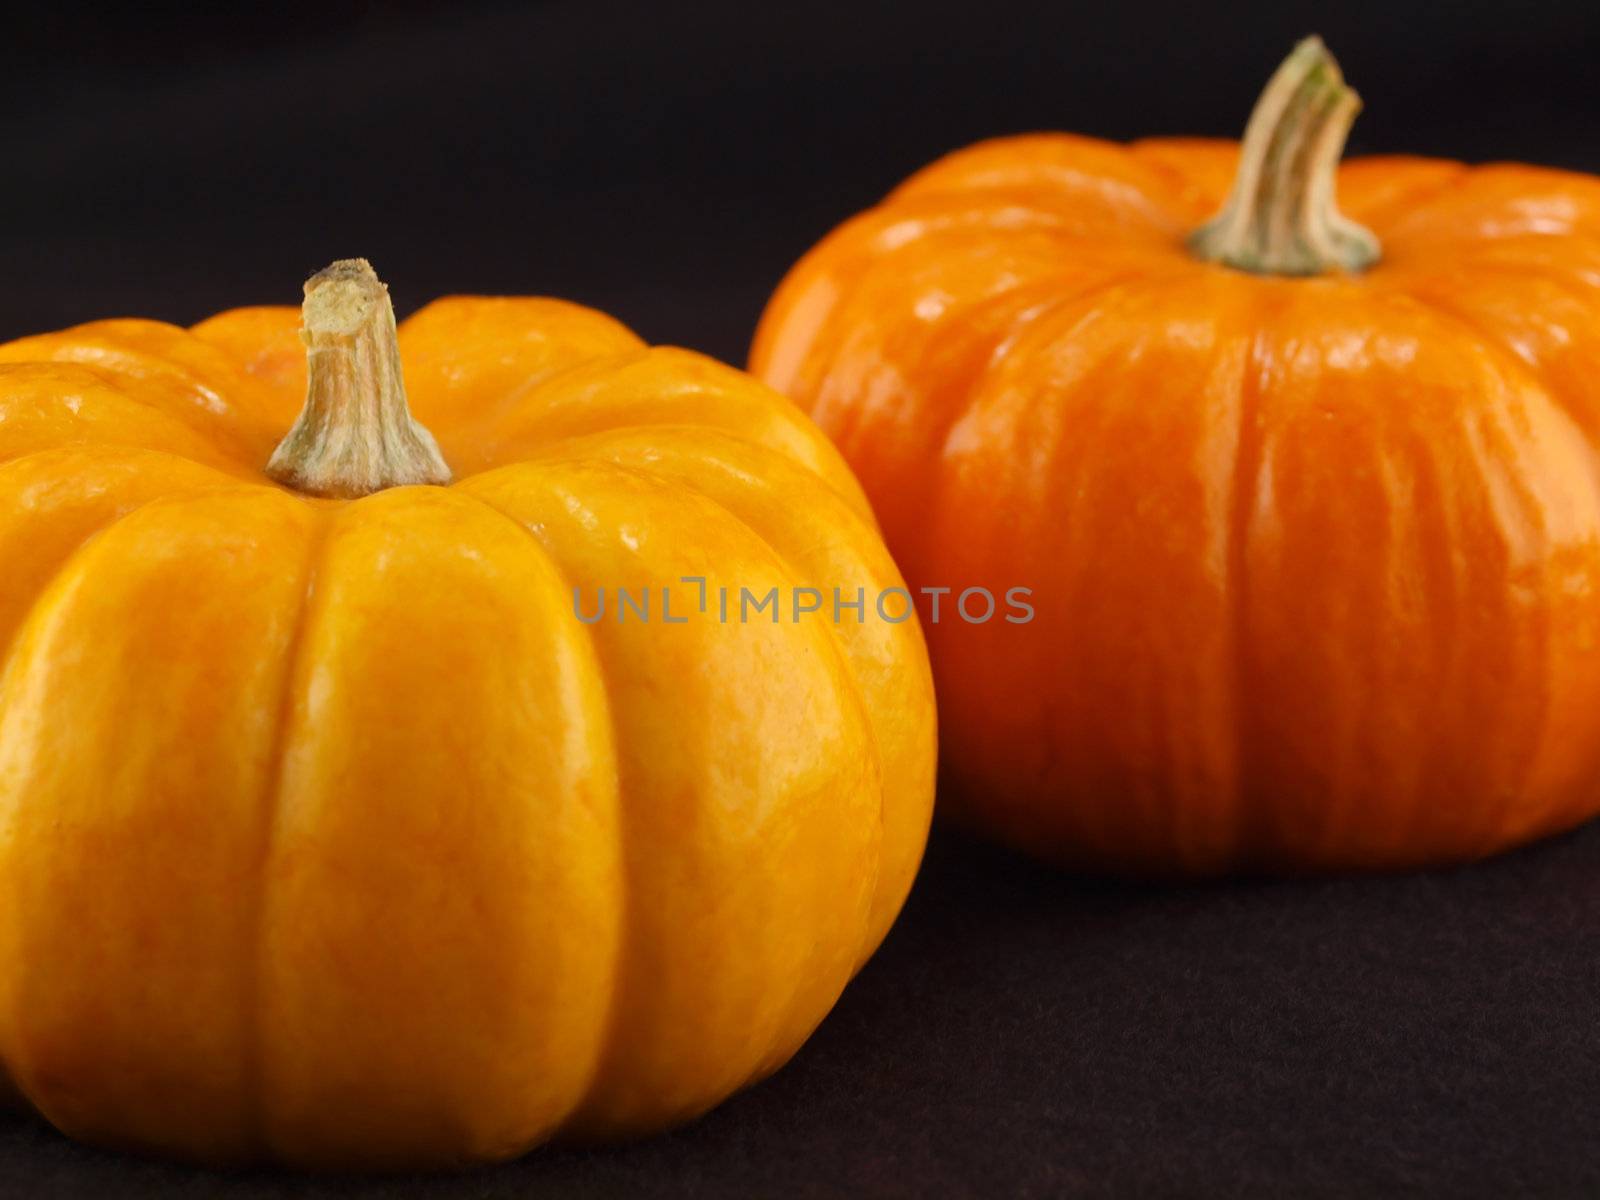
(328, 833)
(1310, 514)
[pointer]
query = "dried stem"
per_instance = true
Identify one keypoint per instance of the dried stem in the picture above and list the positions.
(356, 434)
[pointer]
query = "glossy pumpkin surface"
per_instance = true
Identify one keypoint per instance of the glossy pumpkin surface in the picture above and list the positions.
(328, 834)
(1315, 560)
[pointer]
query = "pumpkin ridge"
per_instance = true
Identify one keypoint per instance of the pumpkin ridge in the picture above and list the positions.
(1581, 287)
(534, 337)
(480, 426)
(1056, 421)
(106, 378)
(1252, 828)
(8, 651)
(841, 654)
(973, 390)
(570, 447)
(1580, 282)
(1094, 294)
(1144, 151)
(1506, 358)
(945, 222)
(349, 984)
(255, 1100)
(624, 831)
(775, 1054)
(700, 392)
(1004, 210)
(762, 1056)
(120, 364)
(84, 457)
(243, 481)
(83, 579)
(1512, 365)
(1476, 186)
(955, 413)
(1461, 481)
(825, 463)
(1419, 197)
(1133, 196)
(842, 324)
(614, 1007)
(108, 382)
(1486, 469)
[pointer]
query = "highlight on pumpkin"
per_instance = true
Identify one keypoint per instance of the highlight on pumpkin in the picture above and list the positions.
(356, 434)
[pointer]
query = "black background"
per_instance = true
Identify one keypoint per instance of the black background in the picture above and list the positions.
(1022, 1032)
(665, 162)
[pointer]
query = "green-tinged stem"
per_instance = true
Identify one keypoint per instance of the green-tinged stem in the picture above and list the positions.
(1281, 217)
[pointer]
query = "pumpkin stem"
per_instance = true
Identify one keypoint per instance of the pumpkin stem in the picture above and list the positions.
(1281, 218)
(356, 434)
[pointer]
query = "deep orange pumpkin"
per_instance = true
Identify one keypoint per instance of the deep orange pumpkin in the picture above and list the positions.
(1311, 517)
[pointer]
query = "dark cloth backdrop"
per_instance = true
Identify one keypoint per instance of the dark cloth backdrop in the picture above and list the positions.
(1022, 1032)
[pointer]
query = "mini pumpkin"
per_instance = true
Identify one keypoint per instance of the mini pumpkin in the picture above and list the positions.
(1307, 501)
(333, 829)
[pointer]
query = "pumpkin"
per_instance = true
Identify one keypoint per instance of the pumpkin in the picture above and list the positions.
(334, 829)
(1296, 461)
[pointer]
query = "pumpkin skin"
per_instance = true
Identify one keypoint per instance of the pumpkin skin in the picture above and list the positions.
(1314, 561)
(329, 836)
